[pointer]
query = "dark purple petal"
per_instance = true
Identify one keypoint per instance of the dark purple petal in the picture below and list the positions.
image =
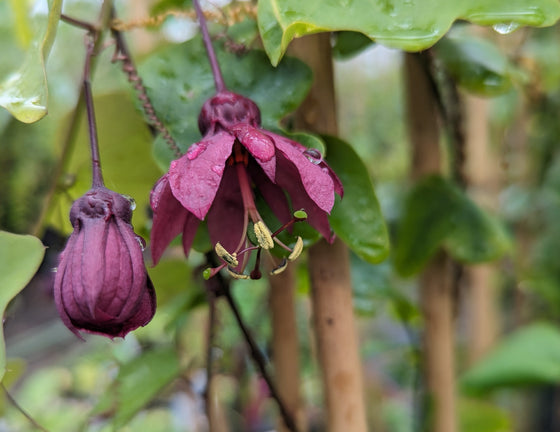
(196, 176)
(189, 231)
(272, 193)
(338, 188)
(288, 179)
(226, 216)
(169, 218)
(318, 184)
(259, 145)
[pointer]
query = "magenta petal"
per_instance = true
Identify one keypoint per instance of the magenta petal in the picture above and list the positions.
(317, 182)
(260, 145)
(195, 177)
(338, 188)
(227, 215)
(288, 179)
(169, 218)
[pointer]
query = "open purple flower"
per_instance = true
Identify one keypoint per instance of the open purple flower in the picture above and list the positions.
(216, 179)
(101, 284)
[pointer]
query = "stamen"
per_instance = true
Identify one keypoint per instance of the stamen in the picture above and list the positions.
(236, 275)
(211, 272)
(263, 234)
(231, 259)
(298, 248)
(280, 268)
(300, 215)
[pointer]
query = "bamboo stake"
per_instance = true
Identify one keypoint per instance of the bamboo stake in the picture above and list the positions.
(436, 294)
(329, 265)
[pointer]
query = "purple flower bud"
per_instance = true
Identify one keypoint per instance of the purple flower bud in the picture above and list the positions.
(225, 110)
(101, 285)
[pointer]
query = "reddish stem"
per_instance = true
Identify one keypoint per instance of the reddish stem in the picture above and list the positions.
(216, 72)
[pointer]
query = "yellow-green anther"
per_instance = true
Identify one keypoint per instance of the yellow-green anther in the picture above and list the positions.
(300, 214)
(263, 234)
(231, 259)
(280, 268)
(296, 252)
(236, 275)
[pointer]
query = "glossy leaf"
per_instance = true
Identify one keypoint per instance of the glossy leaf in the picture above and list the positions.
(179, 80)
(347, 44)
(529, 356)
(438, 214)
(24, 93)
(125, 158)
(409, 25)
(357, 218)
(20, 257)
(475, 64)
(137, 383)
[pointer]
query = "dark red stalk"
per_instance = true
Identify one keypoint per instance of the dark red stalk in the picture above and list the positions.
(216, 72)
(97, 176)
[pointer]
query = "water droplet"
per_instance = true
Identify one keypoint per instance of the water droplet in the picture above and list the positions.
(218, 169)
(195, 150)
(131, 200)
(141, 242)
(313, 155)
(505, 28)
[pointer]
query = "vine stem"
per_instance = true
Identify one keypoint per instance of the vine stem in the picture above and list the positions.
(216, 72)
(21, 410)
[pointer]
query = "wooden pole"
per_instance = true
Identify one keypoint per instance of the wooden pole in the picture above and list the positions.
(329, 265)
(285, 345)
(435, 284)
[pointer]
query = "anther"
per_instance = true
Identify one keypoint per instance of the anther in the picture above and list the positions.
(283, 265)
(263, 234)
(296, 252)
(300, 215)
(231, 259)
(236, 275)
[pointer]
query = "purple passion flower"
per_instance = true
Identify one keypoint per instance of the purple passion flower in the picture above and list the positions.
(101, 284)
(216, 178)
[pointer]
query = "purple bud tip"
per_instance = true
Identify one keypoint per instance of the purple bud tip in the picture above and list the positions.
(101, 284)
(225, 110)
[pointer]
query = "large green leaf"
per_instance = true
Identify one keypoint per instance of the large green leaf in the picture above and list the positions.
(357, 218)
(137, 383)
(125, 157)
(438, 214)
(529, 356)
(476, 64)
(20, 257)
(179, 81)
(405, 24)
(24, 93)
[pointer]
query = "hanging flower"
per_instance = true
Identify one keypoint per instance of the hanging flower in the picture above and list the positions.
(216, 178)
(101, 284)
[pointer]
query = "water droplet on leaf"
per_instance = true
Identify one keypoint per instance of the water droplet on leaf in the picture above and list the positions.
(505, 28)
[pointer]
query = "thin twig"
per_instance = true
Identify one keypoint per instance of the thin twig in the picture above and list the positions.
(79, 23)
(128, 67)
(21, 410)
(259, 360)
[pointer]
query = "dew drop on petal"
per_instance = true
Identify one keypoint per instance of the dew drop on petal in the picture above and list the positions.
(141, 242)
(194, 151)
(313, 155)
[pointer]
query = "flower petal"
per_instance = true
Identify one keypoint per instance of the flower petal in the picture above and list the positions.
(317, 182)
(288, 179)
(226, 217)
(195, 177)
(260, 145)
(169, 218)
(189, 231)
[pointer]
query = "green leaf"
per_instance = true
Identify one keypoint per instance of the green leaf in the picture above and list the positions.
(409, 25)
(125, 157)
(357, 218)
(20, 257)
(347, 44)
(476, 64)
(478, 416)
(24, 93)
(137, 383)
(179, 81)
(438, 214)
(529, 356)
